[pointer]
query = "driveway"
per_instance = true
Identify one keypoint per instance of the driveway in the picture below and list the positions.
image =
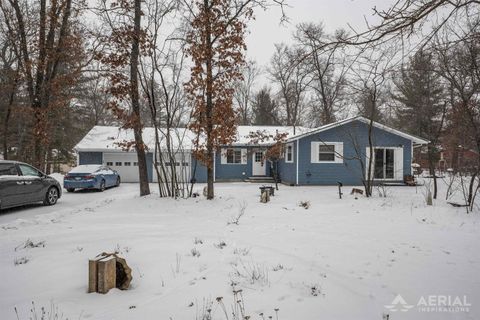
(68, 201)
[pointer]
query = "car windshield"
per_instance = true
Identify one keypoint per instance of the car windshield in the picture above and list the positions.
(89, 168)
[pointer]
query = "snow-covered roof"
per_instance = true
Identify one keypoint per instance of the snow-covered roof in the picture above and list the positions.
(415, 139)
(243, 133)
(103, 138)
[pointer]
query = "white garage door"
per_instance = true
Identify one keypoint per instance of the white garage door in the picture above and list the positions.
(181, 165)
(125, 163)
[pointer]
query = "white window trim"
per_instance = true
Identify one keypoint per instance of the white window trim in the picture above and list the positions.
(289, 145)
(315, 151)
(243, 159)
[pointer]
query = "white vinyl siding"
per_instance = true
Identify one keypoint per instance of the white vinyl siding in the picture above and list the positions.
(289, 153)
(233, 156)
(326, 152)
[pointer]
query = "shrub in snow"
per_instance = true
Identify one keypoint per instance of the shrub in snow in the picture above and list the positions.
(197, 241)
(220, 245)
(43, 314)
(241, 251)
(241, 211)
(253, 273)
(21, 260)
(315, 290)
(278, 267)
(195, 252)
(304, 204)
(29, 244)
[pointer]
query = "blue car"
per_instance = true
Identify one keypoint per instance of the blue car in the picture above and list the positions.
(91, 177)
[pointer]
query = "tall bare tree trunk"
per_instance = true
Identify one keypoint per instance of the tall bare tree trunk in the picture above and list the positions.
(137, 129)
(431, 168)
(209, 107)
(7, 117)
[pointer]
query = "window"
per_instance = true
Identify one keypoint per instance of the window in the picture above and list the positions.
(326, 152)
(135, 164)
(118, 164)
(259, 156)
(289, 153)
(8, 169)
(384, 161)
(127, 164)
(234, 156)
(109, 163)
(29, 171)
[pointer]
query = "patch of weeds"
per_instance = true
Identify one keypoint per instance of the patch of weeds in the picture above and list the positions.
(29, 244)
(241, 251)
(21, 260)
(132, 307)
(253, 273)
(197, 241)
(315, 290)
(43, 314)
(195, 252)
(220, 310)
(304, 204)
(220, 245)
(278, 267)
(241, 211)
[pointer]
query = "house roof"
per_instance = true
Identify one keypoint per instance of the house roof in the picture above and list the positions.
(415, 139)
(103, 138)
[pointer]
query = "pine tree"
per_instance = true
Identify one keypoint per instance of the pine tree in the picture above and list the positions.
(422, 110)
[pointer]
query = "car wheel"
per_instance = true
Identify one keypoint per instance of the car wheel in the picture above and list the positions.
(102, 186)
(51, 197)
(70, 189)
(118, 182)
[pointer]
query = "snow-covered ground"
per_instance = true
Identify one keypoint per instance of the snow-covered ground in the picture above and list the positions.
(339, 259)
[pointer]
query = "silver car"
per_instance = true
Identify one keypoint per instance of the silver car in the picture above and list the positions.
(22, 184)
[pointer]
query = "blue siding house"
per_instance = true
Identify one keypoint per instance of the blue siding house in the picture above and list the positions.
(337, 152)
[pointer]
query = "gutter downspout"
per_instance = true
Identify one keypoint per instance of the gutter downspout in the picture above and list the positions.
(298, 149)
(214, 164)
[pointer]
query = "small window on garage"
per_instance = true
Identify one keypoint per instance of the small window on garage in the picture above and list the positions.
(185, 164)
(127, 164)
(118, 164)
(136, 164)
(109, 163)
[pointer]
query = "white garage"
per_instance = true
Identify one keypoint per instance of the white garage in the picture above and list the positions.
(125, 163)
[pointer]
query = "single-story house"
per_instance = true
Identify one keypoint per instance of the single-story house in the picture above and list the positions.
(337, 152)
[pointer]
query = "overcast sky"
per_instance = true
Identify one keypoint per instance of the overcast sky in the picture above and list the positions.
(265, 31)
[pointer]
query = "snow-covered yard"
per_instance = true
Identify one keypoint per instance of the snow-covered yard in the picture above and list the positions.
(339, 259)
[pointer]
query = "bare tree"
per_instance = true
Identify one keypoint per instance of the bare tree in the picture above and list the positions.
(244, 92)
(327, 69)
(367, 82)
(459, 64)
(292, 80)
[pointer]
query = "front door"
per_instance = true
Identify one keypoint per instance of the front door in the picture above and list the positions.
(258, 164)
